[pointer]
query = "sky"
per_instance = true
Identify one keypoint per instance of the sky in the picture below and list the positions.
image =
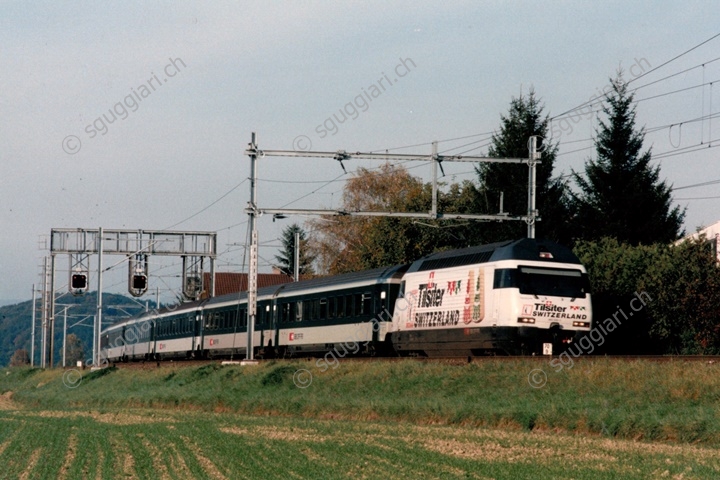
(136, 115)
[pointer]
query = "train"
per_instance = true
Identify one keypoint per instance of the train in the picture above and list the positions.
(519, 297)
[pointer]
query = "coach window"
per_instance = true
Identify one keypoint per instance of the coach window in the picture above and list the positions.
(262, 314)
(292, 315)
(348, 306)
(340, 306)
(358, 304)
(323, 308)
(331, 307)
(314, 308)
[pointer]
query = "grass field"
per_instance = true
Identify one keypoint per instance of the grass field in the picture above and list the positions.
(397, 420)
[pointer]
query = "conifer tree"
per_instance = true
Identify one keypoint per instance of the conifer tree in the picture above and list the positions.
(621, 194)
(524, 119)
(286, 259)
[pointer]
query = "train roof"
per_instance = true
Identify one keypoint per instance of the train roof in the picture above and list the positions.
(523, 249)
(155, 312)
(376, 275)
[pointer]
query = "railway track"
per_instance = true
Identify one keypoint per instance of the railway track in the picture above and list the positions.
(149, 365)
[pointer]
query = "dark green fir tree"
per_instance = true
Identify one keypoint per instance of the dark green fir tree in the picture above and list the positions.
(524, 119)
(286, 259)
(621, 194)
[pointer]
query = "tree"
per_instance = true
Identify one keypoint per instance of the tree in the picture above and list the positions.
(525, 119)
(338, 241)
(286, 259)
(621, 195)
(680, 287)
(20, 358)
(352, 243)
(75, 350)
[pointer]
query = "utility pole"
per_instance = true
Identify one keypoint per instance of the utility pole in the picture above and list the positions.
(433, 212)
(32, 332)
(51, 313)
(98, 317)
(532, 213)
(43, 352)
(252, 273)
(296, 269)
(64, 354)
(64, 336)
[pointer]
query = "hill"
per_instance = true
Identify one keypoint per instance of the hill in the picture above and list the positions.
(15, 322)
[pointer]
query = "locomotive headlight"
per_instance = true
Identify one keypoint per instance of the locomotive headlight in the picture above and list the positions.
(581, 324)
(526, 320)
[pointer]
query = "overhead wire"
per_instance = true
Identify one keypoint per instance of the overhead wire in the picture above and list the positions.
(675, 58)
(207, 207)
(641, 76)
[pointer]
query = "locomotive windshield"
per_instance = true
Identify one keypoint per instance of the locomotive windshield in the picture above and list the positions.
(554, 282)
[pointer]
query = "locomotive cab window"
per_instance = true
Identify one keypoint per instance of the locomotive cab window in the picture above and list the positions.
(556, 282)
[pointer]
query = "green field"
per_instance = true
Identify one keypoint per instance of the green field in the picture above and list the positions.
(600, 419)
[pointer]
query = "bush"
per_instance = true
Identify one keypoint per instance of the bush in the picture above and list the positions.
(681, 282)
(20, 358)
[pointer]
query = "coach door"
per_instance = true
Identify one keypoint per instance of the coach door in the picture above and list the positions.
(197, 330)
(275, 324)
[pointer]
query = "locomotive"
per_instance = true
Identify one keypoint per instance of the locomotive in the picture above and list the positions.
(516, 297)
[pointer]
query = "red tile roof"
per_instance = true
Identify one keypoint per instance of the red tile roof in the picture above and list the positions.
(227, 282)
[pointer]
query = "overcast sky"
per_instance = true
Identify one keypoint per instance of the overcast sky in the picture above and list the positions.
(136, 115)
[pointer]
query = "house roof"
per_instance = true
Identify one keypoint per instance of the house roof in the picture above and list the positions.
(710, 232)
(228, 282)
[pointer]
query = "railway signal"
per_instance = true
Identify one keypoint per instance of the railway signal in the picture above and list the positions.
(138, 275)
(139, 282)
(78, 283)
